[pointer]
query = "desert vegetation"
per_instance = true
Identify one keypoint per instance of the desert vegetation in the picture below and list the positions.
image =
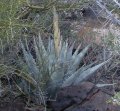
(59, 55)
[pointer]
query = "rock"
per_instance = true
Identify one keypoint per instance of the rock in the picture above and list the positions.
(70, 95)
(82, 98)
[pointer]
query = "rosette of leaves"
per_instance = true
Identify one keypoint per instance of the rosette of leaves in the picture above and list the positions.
(52, 71)
(57, 66)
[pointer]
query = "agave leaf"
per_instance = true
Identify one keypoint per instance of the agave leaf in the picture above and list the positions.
(63, 52)
(70, 55)
(80, 56)
(41, 46)
(70, 78)
(50, 44)
(60, 44)
(104, 85)
(37, 51)
(70, 50)
(76, 61)
(52, 59)
(41, 56)
(69, 81)
(30, 62)
(26, 43)
(56, 81)
(87, 73)
(58, 74)
(77, 50)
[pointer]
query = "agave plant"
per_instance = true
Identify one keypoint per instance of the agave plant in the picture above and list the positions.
(52, 71)
(57, 66)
